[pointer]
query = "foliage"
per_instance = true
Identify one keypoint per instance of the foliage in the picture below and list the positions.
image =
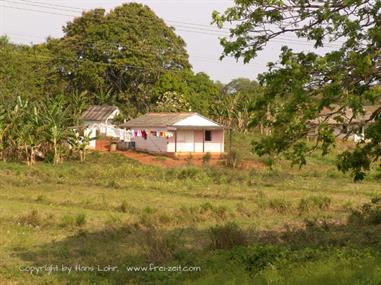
(227, 236)
(369, 213)
(39, 129)
(117, 57)
(303, 84)
(234, 106)
(168, 220)
(172, 102)
(233, 159)
(195, 90)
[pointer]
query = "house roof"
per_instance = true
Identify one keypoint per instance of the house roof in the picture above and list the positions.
(98, 113)
(163, 120)
(335, 116)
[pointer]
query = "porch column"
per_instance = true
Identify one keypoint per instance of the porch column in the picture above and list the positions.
(203, 140)
(194, 141)
(175, 141)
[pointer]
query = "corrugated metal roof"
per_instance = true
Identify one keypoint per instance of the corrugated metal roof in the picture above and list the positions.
(157, 120)
(98, 113)
(334, 116)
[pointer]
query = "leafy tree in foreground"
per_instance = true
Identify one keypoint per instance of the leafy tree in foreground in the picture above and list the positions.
(302, 84)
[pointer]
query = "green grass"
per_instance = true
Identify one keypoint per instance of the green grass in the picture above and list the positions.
(261, 226)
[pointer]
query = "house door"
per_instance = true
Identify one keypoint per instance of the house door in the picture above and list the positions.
(185, 141)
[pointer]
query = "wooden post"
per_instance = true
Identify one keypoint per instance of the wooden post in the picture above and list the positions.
(203, 140)
(194, 141)
(230, 140)
(175, 142)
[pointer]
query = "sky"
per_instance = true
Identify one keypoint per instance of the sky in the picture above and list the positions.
(30, 21)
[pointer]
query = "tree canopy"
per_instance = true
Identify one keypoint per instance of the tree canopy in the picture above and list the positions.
(121, 53)
(301, 84)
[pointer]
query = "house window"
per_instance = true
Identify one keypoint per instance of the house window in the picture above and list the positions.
(208, 136)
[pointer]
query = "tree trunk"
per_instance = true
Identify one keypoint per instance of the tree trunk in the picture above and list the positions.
(32, 156)
(81, 155)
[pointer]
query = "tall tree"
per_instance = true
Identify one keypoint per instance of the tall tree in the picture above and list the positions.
(235, 103)
(198, 90)
(302, 84)
(24, 71)
(121, 53)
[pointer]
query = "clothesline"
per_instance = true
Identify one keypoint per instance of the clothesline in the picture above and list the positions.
(145, 133)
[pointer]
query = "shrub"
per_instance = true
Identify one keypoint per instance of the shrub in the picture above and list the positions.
(315, 202)
(165, 219)
(232, 159)
(188, 172)
(33, 219)
(206, 207)
(67, 221)
(220, 212)
(41, 198)
(189, 159)
(80, 219)
(369, 213)
(206, 158)
(123, 207)
(227, 236)
(280, 205)
(159, 248)
(113, 184)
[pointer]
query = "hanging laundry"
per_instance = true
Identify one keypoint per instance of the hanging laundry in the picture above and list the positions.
(144, 134)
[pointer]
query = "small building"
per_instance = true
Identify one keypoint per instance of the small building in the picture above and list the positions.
(98, 121)
(344, 123)
(99, 115)
(176, 133)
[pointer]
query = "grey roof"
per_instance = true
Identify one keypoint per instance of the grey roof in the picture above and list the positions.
(336, 116)
(98, 113)
(157, 120)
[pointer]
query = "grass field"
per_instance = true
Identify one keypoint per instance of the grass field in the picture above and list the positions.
(258, 226)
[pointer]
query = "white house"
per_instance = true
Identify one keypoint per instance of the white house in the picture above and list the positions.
(99, 120)
(176, 133)
(97, 115)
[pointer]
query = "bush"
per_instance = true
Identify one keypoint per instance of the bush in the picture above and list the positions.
(33, 219)
(232, 159)
(41, 198)
(315, 202)
(227, 236)
(369, 213)
(206, 158)
(123, 207)
(188, 172)
(189, 159)
(80, 219)
(280, 205)
(113, 184)
(159, 248)
(67, 221)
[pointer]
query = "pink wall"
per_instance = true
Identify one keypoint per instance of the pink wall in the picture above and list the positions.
(153, 144)
(217, 143)
(215, 146)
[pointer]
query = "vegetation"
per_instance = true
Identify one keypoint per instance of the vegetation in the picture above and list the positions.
(302, 84)
(241, 226)
(101, 215)
(41, 130)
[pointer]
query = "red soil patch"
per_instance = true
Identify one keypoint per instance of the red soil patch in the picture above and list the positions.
(103, 145)
(165, 161)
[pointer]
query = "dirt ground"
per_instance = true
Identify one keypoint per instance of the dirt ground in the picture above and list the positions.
(165, 161)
